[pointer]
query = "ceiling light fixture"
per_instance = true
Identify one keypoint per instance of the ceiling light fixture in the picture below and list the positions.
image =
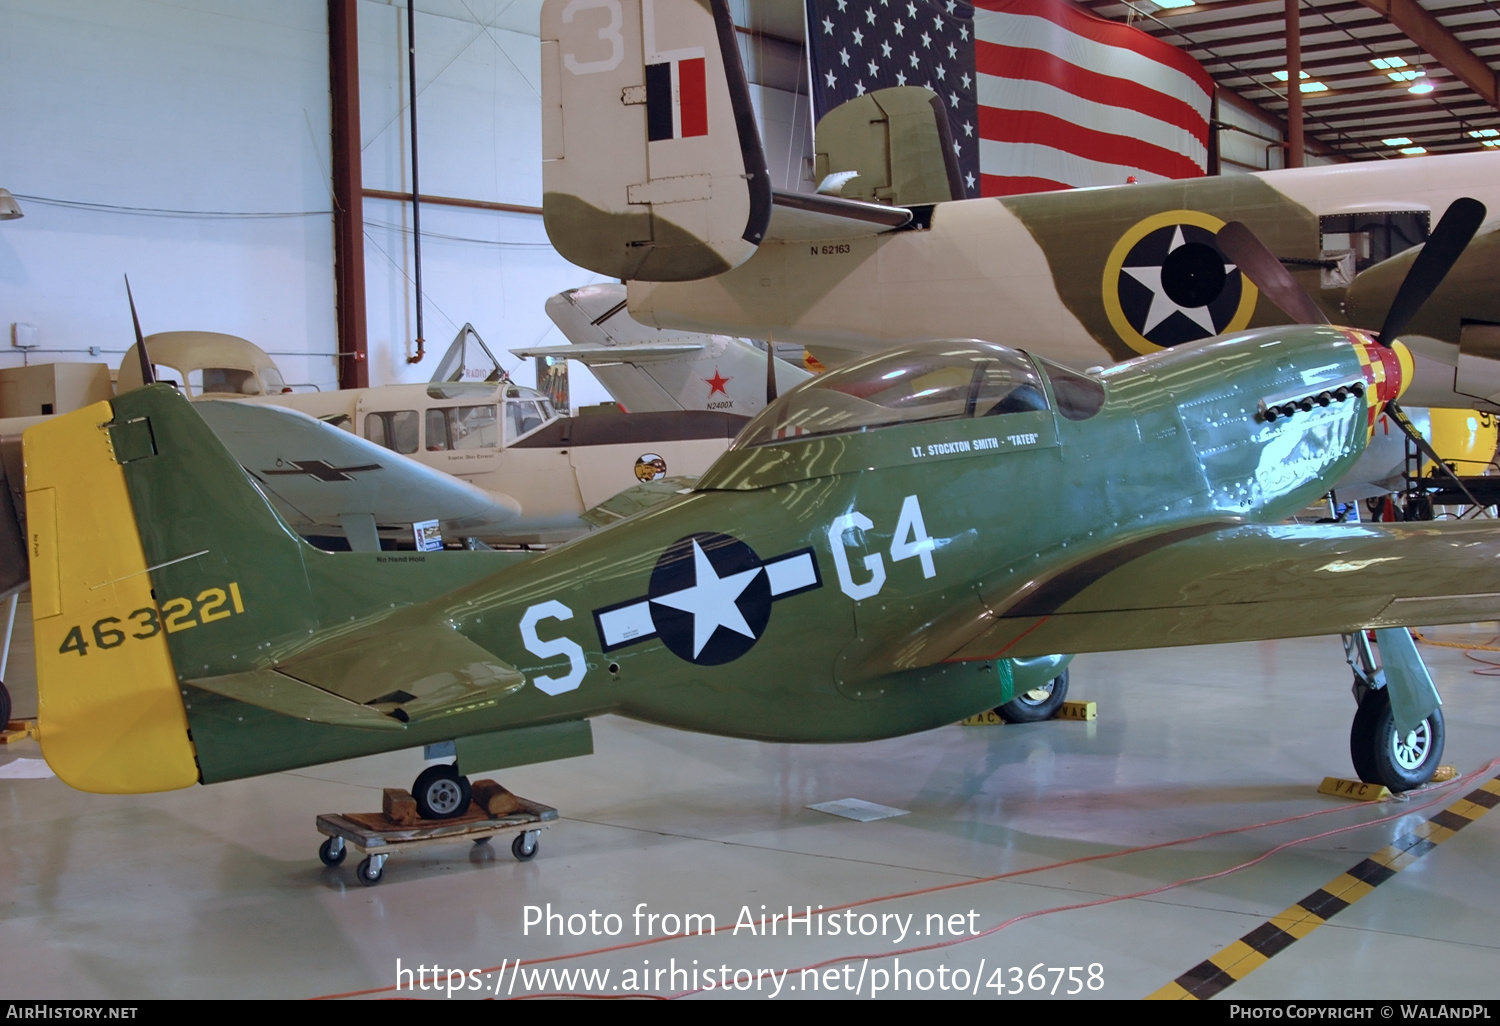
(1399, 140)
(9, 208)
(1413, 151)
(1421, 88)
(1388, 62)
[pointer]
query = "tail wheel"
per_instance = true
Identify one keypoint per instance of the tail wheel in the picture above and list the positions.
(1382, 755)
(441, 793)
(1037, 704)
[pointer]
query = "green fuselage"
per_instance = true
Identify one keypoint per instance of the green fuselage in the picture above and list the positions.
(810, 589)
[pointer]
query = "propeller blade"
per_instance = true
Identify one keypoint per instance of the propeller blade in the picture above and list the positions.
(1444, 246)
(1260, 265)
(147, 376)
(1396, 413)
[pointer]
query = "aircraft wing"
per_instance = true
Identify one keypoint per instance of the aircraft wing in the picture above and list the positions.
(319, 474)
(1251, 583)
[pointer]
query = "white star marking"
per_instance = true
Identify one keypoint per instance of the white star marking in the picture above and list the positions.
(900, 28)
(874, 68)
(969, 179)
(828, 26)
(952, 6)
(844, 57)
(859, 88)
(843, 4)
(901, 78)
(965, 80)
(711, 600)
(858, 37)
(885, 49)
(942, 72)
(870, 15)
(926, 40)
(968, 128)
(911, 10)
(1162, 306)
(831, 80)
(952, 51)
(963, 33)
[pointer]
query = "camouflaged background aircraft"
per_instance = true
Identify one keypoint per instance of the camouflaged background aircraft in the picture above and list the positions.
(654, 173)
(855, 567)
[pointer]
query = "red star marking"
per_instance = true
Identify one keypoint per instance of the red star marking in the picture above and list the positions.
(717, 383)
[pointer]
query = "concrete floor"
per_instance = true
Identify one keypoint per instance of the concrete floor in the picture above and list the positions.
(217, 892)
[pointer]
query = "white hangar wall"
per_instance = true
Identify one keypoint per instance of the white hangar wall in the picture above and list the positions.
(116, 112)
(188, 144)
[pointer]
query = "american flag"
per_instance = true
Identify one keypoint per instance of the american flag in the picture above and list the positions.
(1039, 94)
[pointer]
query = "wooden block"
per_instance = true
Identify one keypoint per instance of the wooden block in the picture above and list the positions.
(1355, 789)
(400, 807)
(988, 718)
(1077, 711)
(17, 730)
(493, 799)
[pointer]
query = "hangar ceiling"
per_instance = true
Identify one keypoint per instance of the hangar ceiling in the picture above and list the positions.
(1242, 44)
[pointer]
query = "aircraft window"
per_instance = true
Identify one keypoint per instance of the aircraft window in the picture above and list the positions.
(462, 427)
(927, 381)
(473, 427)
(231, 380)
(523, 417)
(271, 378)
(1078, 396)
(394, 429)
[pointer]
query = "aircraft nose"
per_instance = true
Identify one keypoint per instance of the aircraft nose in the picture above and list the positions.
(1388, 369)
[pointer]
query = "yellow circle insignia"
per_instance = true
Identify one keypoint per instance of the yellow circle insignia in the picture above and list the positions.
(1166, 283)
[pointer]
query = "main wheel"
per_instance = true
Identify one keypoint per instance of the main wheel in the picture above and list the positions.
(1037, 704)
(1382, 756)
(325, 852)
(441, 793)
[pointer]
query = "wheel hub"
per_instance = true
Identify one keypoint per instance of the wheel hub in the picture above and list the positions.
(1411, 751)
(444, 796)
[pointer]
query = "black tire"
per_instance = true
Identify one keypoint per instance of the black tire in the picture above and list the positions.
(519, 850)
(4, 705)
(329, 859)
(367, 876)
(441, 793)
(1037, 704)
(1381, 757)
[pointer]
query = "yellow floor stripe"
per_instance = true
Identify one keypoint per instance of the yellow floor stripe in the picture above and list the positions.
(1257, 947)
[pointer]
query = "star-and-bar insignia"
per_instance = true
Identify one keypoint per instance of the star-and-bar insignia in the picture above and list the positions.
(323, 470)
(709, 600)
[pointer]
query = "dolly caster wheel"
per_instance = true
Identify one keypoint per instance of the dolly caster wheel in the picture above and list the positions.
(332, 851)
(526, 845)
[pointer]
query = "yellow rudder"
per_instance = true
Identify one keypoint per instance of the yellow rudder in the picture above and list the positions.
(109, 711)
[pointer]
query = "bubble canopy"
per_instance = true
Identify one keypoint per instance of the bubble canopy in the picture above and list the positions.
(926, 381)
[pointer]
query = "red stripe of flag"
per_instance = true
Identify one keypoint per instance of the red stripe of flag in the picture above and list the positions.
(1016, 185)
(692, 90)
(1024, 126)
(1038, 66)
(1102, 31)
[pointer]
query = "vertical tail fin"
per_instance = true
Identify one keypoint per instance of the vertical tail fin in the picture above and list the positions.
(653, 167)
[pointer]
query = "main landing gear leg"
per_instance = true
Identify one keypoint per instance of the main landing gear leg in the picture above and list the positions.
(1397, 736)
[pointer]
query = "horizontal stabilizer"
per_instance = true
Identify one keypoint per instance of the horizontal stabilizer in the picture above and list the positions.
(377, 677)
(279, 693)
(319, 473)
(799, 216)
(599, 354)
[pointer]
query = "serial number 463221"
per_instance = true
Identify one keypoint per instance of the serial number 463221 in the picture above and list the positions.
(178, 614)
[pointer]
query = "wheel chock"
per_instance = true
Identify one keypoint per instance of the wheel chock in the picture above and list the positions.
(1077, 711)
(1443, 774)
(988, 718)
(1357, 790)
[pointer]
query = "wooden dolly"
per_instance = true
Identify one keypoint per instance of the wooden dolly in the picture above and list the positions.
(377, 837)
